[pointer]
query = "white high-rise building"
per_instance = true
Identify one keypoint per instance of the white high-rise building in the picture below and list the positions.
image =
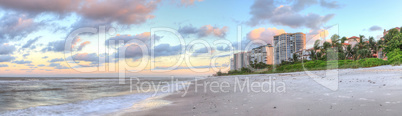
(264, 54)
(239, 61)
(286, 44)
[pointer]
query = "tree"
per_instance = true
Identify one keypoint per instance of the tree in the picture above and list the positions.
(295, 58)
(363, 53)
(252, 65)
(380, 44)
(334, 40)
(395, 57)
(349, 51)
(316, 47)
(393, 40)
(326, 45)
(394, 43)
(373, 45)
(354, 53)
(391, 34)
(219, 73)
(312, 55)
(319, 54)
(361, 38)
(332, 54)
(261, 65)
(343, 39)
(245, 70)
(341, 55)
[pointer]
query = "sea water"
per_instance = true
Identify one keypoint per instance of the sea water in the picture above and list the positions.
(75, 96)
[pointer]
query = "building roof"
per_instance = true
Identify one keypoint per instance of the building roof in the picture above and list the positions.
(345, 44)
(354, 37)
(290, 34)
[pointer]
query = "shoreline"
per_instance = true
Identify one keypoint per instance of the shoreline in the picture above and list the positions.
(360, 91)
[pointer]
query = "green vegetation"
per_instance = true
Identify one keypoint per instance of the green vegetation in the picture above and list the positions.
(315, 65)
(392, 45)
(395, 57)
(258, 65)
(393, 40)
(336, 55)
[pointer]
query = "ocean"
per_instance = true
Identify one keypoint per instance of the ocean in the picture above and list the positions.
(80, 96)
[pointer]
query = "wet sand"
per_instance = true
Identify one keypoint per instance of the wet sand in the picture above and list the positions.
(365, 91)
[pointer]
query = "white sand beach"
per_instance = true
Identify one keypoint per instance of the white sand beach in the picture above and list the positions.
(364, 91)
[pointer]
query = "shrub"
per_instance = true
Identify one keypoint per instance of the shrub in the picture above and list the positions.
(370, 62)
(395, 57)
(245, 70)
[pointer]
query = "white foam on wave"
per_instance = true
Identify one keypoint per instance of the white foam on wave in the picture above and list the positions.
(88, 107)
(94, 107)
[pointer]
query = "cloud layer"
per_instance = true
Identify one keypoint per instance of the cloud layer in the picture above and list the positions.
(206, 30)
(30, 42)
(120, 11)
(6, 58)
(375, 28)
(189, 2)
(265, 11)
(144, 37)
(265, 34)
(6, 49)
(15, 26)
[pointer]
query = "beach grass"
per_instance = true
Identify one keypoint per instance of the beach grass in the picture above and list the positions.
(311, 65)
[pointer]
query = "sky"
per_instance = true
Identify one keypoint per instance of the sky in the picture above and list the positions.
(105, 38)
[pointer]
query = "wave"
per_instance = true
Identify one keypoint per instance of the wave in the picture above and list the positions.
(105, 105)
(45, 89)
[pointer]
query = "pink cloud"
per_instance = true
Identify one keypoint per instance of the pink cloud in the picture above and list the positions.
(216, 31)
(82, 45)
(265, 34)
(107, 11)
(189, 2)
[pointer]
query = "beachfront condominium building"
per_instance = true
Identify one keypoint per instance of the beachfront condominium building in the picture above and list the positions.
(239, 61)
(264, 54)
(304, 54)
(286, 44)
(353, 41)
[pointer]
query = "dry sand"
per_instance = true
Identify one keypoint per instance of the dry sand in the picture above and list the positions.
(366, 91)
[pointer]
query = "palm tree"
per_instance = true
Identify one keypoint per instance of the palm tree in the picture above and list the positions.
(295, 57)
(373, 45)
(354, 52)
(343, 39)
(326, 45)
(380, 44)
(363, 53)
(316, 47)
(349, 51)
(334, 40)
(361, 42)
(312, 55)
(361, 38)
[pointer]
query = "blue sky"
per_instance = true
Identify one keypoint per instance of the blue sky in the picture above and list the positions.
(197, 20)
